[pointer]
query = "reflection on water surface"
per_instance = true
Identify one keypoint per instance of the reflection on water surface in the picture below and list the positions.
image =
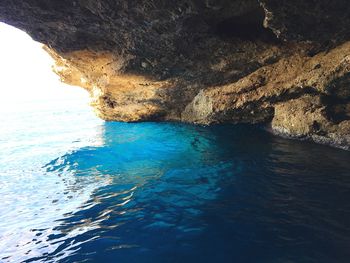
(166, 192)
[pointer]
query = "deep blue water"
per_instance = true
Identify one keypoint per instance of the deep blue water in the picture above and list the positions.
(76, 189)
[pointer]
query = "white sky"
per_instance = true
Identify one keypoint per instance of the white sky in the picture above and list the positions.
(25, 71)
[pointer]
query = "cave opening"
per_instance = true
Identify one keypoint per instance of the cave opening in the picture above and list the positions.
(27, 80)
(248, 26)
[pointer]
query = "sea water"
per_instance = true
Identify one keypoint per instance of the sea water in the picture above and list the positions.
(76, 189)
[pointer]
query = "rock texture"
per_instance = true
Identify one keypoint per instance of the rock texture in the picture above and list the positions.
(280, 62)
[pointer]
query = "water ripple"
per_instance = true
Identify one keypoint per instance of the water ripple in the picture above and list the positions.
(179, 193)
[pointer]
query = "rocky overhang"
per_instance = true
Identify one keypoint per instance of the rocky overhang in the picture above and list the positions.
(283, 63)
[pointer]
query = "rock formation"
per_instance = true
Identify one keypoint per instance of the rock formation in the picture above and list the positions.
(285, 63)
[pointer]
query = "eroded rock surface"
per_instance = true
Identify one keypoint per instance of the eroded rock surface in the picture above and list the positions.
(284, 63)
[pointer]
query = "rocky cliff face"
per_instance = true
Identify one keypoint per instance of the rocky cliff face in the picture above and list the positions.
(284, 63)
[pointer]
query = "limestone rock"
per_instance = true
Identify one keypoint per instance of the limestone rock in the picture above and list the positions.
(307, 118)
(305, 97)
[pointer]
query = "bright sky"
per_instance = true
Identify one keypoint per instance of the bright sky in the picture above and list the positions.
(25, 71)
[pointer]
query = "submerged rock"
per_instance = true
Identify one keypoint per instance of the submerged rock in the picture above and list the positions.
(281, 62)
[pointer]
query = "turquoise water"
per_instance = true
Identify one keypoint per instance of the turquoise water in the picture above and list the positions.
(76, 189)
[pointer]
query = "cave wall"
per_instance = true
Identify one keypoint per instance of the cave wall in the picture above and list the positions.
(203, 61)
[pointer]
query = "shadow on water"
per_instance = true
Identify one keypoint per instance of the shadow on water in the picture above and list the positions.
(181, 193)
